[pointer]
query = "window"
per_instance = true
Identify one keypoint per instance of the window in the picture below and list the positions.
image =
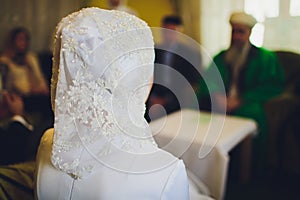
(261, 9)
(257, 36)
(295, 7)
(271, 8)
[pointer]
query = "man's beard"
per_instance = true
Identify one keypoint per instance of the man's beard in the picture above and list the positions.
(237, 55)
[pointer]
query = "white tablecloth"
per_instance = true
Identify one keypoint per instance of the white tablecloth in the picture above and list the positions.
(203, 141)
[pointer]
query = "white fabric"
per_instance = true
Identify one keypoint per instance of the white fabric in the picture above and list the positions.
(197, 189)
(106, 183)
(101, 147)
(203, 141)
(103, 65)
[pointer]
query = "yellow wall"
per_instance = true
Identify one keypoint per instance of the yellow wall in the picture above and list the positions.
(97, 3)
(189, 10)
(149, 10)
(152, 11)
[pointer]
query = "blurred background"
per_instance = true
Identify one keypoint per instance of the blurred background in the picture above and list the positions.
(206, 21)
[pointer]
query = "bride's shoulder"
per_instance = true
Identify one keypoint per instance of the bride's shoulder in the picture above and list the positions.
(47, 138)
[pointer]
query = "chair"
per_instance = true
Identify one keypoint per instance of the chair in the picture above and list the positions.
(283, 117)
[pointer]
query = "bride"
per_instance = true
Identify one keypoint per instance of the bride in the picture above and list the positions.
(101, 147)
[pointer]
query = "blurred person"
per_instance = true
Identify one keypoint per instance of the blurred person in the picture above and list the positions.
(177, 70)
(24, 75)
(251, 76)
(121, 5)
(16, 132)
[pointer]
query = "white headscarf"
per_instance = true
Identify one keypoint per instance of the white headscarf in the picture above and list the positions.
(102, 71)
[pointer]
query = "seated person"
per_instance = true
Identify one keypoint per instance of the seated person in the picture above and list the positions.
(101, 146)
(176, 72)
(250, 76)
(16, 181)
(16, 134)
(23, 73)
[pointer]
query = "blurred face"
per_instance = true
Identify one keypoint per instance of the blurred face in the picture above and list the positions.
(171, 36)
(240, 35)
(114, 3)
(21, 42)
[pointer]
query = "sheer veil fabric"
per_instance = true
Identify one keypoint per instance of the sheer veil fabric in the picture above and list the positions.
(101, 147)
(102, 72)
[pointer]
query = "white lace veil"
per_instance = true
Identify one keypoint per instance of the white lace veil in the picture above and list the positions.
(102, 72)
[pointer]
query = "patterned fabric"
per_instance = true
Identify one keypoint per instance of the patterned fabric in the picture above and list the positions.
(103, 67)
(16, 181)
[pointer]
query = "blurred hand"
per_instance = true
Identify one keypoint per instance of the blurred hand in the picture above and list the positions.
(230, 104)
(221, 101)
(14, 103)
(4, 113)
(233, 104)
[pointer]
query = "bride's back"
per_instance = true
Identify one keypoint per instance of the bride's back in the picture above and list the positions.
(101, 147)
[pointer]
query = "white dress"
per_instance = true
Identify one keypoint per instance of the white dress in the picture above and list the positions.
(106, 183)
(101, 146)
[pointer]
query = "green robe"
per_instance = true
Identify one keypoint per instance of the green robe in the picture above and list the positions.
(260, 79)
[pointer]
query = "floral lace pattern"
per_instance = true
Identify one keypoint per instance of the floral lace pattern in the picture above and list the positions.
(102, 64)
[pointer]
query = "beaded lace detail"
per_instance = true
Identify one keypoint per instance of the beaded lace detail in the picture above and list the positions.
(102, 67)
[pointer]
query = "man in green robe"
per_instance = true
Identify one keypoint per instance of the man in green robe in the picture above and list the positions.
(250, 76)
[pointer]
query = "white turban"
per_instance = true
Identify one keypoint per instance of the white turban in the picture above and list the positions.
(242, 18)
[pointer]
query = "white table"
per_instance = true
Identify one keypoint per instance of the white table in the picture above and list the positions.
(203, 140)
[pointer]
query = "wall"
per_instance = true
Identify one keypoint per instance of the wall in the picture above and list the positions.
(206, 21)
(39, 17)
(189, 11)
(282, 33)
(215, 28)
(149, 10)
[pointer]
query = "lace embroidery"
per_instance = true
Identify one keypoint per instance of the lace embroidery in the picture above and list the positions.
(94, 53)
(89, 102)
